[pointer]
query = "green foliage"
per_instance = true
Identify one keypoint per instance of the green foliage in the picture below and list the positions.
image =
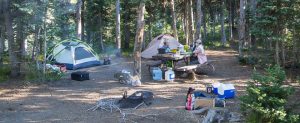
(35, 75)
(266, 97)
(247, 60)
(4, 73)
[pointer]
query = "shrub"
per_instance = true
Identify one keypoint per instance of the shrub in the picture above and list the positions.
(266, 97)
(248, 60)
(4, 73)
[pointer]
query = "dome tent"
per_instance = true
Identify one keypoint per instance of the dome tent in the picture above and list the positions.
(157, 42)
(74, 54)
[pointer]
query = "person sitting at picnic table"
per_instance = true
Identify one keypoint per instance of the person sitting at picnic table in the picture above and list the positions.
(166, 47)
(199, 52)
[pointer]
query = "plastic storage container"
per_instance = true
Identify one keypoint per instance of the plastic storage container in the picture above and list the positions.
(224, 90)
(169, 75)
(156, 74)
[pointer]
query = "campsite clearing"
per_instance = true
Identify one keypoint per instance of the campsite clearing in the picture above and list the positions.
(68, 100)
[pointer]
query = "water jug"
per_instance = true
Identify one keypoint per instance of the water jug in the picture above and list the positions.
(170, 75)
(157, 74)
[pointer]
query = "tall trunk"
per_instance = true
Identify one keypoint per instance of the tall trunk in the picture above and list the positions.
(101, 32)
(277, 57)
(241, 27)
(82, 20)
(233, 4)
(191, 21)
(214, 25)
(283, 53)
(1, 45)
(174, 27)
(78, 19)
(126, 24)
(199, 19)
(138, 40)
(150, 27)
(204, 25)
(294, 54)
(20, 38)
(35, 49)
(222, 25)
(253, 12)
(14, 65)
(230, 20)
(186, 23)
(118, 34)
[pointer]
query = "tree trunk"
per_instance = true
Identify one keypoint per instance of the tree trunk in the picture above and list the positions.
(101, 32)
(138, 40)
(241, 27)
(35, 49)
(186, 22)
(78, 19)
(277, 57)
(174, 27)
(126, 24)
(230, 20)
(191, 21)
(232, 13)
(20, 40)
(118, 34)
(283, 53)
(14, 65)
(199, 19)
(223, 40)
(1, 45)
(294, 54)
(204, 25)
(253, 11)
(82, 20)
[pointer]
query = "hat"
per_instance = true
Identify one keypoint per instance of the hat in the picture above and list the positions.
(198, 41)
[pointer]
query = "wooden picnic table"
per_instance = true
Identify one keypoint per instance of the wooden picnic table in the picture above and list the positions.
(174, 58)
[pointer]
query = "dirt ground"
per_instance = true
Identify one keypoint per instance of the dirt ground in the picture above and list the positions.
(68, 100)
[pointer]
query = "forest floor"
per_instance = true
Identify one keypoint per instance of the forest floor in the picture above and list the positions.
(68, 100)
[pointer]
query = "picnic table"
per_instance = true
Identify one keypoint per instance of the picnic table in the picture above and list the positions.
(174, 58)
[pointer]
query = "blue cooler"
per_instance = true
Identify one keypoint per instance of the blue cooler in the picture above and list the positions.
(215, 87)
(224, 90)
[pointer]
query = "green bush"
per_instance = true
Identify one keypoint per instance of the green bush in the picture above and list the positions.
(248, 60)
(266, 97)
(34, 74)
(4, 73)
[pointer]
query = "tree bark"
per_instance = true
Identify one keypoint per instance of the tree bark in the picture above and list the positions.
(82, 20)
(186, 22)
(191, 21)
(204, 25)
(101, 32)
(294, 54)
(174, 27)
(14, 65)
(223, 40)
(78, 19)
(138, 40)
(118, 34)
(241, 27)
(199, 20)
(126, 24)
(20, 38)
(277, 57)
(1, 45)
(230, 20)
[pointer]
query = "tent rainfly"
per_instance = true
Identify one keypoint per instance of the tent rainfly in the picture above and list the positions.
(157, 42)
(74, 54)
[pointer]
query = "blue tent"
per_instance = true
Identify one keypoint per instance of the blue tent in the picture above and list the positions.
(74, 54)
